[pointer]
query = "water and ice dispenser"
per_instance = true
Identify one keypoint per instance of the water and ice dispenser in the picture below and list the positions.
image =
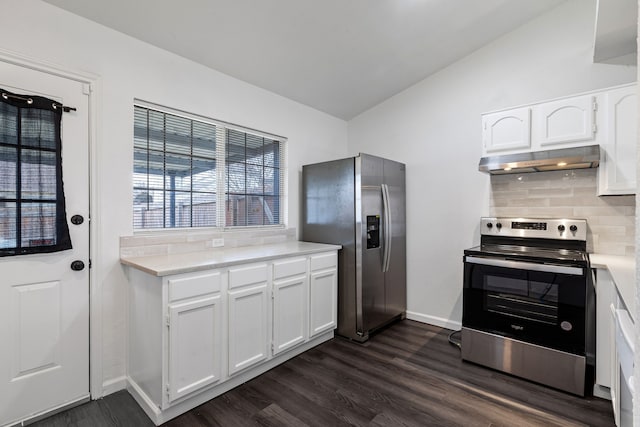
(373, 231)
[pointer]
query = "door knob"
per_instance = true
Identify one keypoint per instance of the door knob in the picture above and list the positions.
(77, 219)
(77, 265)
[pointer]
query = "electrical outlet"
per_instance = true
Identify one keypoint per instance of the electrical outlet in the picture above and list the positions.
(216, 243)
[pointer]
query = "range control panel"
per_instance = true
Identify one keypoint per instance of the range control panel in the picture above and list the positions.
(516, 225)
(542, 228)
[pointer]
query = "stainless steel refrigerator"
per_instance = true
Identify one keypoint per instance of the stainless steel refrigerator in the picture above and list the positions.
(359, 203)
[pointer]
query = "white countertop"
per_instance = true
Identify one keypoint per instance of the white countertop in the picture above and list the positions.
(623, 272)
(163, 265)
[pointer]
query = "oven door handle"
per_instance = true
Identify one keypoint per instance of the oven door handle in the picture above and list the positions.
(520, 265)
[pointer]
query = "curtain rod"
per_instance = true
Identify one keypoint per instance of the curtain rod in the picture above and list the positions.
(29, 101)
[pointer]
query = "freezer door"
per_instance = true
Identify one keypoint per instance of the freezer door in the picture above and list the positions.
(328, 216)
(396, 274)
(328, 205)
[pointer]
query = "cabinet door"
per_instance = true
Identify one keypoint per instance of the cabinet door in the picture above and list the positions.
(566, 121)
(323, 301)
(615, 367)
(248, 319)
(618, 168)
(507, 130)
(605, 296)
(194, 345)
(290, 312)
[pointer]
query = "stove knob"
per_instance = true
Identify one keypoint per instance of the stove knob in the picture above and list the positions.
(489, 225)
(498, 225)
(573, 228)
(561, 228)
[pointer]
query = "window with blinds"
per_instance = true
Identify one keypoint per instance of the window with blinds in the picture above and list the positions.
(252, 179)
(191, 172)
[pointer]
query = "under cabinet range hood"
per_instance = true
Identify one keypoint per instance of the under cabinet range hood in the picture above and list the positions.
(541, 161)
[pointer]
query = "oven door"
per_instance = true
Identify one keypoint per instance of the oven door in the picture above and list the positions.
(532, 302)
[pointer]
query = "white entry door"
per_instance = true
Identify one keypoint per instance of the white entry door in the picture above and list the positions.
(44, 304)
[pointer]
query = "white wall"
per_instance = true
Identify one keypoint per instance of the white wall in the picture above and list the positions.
(131, 69)
(434, 127)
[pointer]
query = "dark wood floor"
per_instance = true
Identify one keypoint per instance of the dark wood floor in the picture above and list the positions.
(407, 375)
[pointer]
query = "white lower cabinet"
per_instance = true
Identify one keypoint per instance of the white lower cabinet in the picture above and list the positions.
(614, 364)
(611, 317)
(195, 332)
(248, 339)
(624, 367)
(323, 285)
(605, 327)
(194, 336)
(290, 312)
(290, 303)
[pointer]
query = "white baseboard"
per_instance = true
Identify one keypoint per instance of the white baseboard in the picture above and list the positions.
(602, 391)
(434, 320)
(147, 405)
(113, 385)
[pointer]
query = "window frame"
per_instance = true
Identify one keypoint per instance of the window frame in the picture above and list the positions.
(221, 172)
(43, 113)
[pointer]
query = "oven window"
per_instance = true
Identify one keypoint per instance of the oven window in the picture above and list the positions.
(522, 298)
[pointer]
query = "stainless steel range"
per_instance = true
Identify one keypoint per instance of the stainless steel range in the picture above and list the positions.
(529, 302)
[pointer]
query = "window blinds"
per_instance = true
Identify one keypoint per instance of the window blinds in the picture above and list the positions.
(203, 173)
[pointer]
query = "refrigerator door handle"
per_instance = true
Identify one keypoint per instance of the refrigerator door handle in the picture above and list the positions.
(386, 259)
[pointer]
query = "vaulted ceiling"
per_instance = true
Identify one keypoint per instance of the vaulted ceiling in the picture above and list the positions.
(338, 56)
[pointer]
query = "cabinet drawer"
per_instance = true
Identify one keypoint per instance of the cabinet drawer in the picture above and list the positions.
(289, 267)
(323, 261)
(194, 285)
(248, 275)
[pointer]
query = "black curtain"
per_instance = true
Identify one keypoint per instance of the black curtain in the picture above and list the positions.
(32, 206)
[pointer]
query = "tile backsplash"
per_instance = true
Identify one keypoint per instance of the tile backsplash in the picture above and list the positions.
(569, 194)
(177, 241)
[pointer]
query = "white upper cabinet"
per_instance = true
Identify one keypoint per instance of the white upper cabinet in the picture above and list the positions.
(507, 130)
(607, 117)
(569, 120)
(561, 123)
(618, 165)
